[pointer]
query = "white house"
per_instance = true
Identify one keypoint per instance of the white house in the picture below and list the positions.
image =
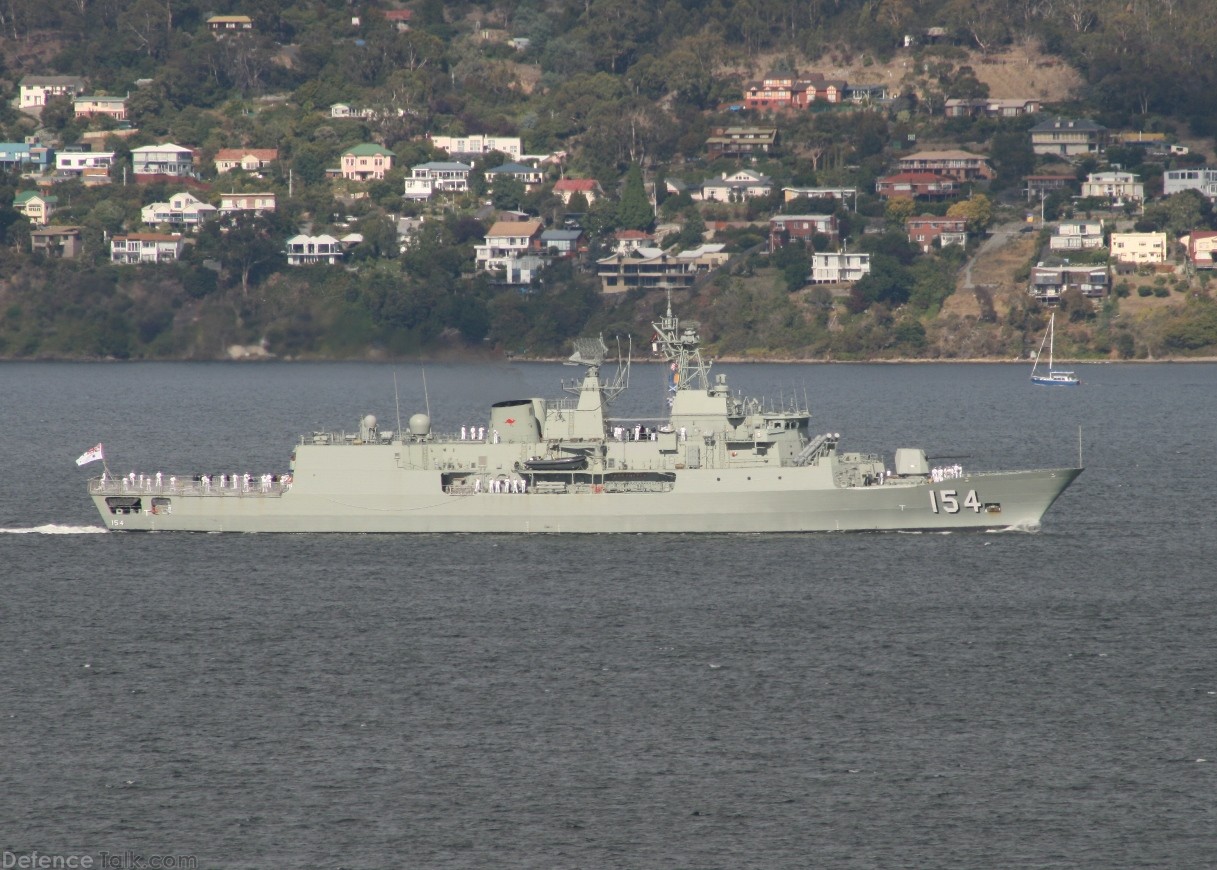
(1138, 248)
(246, 203)
(1077, 236)
(74, 163)
(427, 179)
(477, 144)
(305, 250)
(182, 210)
(168, 159)
(145, 248)
(526, 175)
(736, 187)
(1116, 186)
(839, 268)
(1199, 178)
(36, 90)
(506, 240)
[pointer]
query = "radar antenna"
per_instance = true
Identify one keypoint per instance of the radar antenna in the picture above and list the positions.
(591, 353)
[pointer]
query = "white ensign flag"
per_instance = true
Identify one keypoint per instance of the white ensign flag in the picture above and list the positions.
(91, 455)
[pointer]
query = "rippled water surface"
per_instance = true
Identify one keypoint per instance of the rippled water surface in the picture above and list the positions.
(878, 700)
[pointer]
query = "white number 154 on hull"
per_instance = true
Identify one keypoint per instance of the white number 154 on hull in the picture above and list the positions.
(947, 501)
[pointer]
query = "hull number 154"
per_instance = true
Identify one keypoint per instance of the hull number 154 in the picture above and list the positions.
(947, 501)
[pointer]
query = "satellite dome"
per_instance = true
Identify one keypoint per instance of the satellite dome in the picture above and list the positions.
(370, 421)
(420, 424)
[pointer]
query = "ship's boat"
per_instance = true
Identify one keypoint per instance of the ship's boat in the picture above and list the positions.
(556, 463)
(720, 463)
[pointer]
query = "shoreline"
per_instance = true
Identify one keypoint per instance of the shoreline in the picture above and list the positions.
(489, 358)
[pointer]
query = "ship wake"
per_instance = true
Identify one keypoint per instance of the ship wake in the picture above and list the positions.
(56, 529)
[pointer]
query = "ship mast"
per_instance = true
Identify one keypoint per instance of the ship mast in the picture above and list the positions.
(681, 346)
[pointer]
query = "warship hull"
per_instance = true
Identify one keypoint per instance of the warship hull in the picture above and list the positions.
(706, 501)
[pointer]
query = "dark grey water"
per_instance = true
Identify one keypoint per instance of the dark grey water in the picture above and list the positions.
(974, 700)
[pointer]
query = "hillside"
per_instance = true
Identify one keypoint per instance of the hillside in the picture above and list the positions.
(622, 96)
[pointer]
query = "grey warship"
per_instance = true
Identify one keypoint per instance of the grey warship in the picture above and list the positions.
(720, 463)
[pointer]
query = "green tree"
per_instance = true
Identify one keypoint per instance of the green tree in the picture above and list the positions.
(977, 210)
(634, 209)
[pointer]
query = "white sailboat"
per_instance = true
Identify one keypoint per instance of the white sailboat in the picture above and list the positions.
(1054, 378)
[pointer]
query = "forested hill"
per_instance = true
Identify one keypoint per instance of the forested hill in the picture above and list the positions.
(609, 85)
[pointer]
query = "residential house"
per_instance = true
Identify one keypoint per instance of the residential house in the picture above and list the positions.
(841, 267)
(245, 159)
(479, 144)
(1138, 248)
(101, 107)
(35, 91)
(625, 241)
(785, 229)
(226, 25)
(25, 157)
(1069, 137)
(839, 193)
(399, 18)
(1198, 178)
(145, 248)
(652, 268)
(1048, 282)
(182, 210)
(736, 187)
(305, 250)
(917, 185)
(926, 229)
(1201, 248)
(344, 110)
(152, 162)
(960, 165)
(565, 188)
(247, 203)
(36, 206)
(526, 175)
(1077, 236)
(989, 107)
(505, 241)
(366, 162)
(564, 243)
(65, 242)
(780, 92)
(1036, 186)
(1115, 186)
(426, 179)
(741, 142)
(73, 161)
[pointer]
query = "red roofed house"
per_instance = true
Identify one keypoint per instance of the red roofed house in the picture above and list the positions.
(568, 187)
(926, 185)
(248, 159)
(632, 240)
(778, 92)
(399, 18)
